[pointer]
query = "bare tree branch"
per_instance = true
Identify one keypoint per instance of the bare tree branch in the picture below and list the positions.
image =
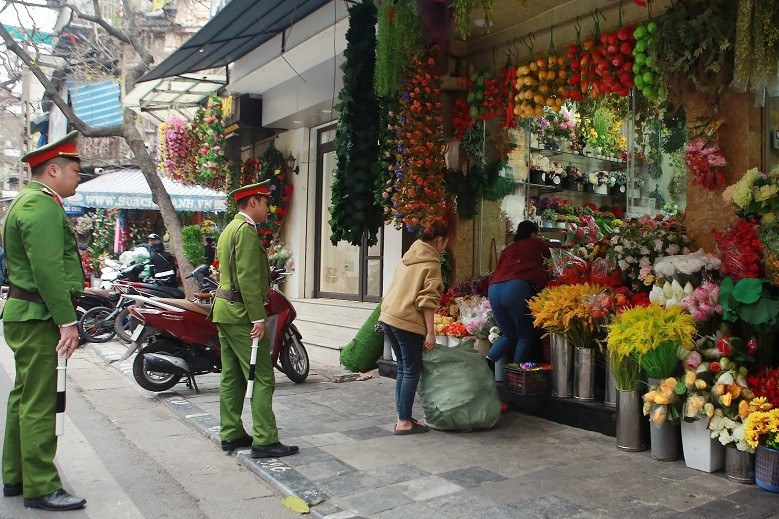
(51, 90)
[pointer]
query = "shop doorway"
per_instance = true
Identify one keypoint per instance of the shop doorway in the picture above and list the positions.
(343, 271)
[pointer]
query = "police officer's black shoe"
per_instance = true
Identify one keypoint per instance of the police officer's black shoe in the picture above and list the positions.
(274, 450)
(229, 445)
(12, 489)
(57, 501)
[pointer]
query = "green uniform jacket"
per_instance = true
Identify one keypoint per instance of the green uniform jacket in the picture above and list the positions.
(251, 267)
(41, 255)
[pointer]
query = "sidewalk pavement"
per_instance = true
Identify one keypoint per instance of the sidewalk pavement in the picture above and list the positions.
(351, 465)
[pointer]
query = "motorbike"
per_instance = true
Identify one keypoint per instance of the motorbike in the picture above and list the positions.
(176, 340)
(103, 323)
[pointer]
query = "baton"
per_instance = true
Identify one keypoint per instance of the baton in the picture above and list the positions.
(252, 366)
(62, 364)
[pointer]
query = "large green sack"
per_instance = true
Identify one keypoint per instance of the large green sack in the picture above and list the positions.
(457, 389)
(368, 345)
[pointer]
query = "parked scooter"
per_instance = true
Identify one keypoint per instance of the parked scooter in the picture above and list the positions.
(101, 324)
(177, 340)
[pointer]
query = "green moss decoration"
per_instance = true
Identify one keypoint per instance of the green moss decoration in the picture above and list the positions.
(399, 38)
(361, 354)
(192, 236)
(693, 46)
(358, 176)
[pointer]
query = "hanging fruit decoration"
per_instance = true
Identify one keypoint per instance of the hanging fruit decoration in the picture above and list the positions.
(617, 71)
(645, 70)
(573, 89)
(484, 98)
(541, 83)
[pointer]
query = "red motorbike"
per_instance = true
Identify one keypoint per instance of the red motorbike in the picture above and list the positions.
(176, 340)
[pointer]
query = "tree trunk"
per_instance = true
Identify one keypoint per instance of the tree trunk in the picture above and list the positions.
(160, 196)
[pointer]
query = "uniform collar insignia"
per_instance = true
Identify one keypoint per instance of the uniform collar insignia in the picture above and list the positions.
(48, 191)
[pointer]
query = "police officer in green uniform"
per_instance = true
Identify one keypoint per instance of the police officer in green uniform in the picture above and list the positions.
(239, 315)
(39, 321)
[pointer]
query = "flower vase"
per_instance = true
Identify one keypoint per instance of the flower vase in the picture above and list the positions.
(589, 188)
(584, 373)
(629, 421)
(739, 465)
(571, 185)
(610, 398)
(701, 451)
(618, 190)
(600, 189)
(561, 353)
(537, 177)
(767, 468)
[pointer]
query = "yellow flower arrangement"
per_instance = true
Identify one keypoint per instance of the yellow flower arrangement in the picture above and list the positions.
(762, 428)
(562, 309)
(643, 329)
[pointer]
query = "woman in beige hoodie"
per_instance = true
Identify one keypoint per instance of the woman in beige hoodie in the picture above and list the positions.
(407, 312)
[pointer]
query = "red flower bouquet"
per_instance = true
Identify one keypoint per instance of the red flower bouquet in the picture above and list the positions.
(766, 384)
(703, 155)
(741, 250)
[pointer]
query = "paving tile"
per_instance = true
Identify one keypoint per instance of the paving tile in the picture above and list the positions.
(411, 510)
(545, 507)
(379, 500)
(726, 508)
(677, 497)
(349, 483)
(426, 488)
(397, 473)
(462, 504)
(324, 469)
(332, 438)
(471, 477)
(367, 433)
(753, 495)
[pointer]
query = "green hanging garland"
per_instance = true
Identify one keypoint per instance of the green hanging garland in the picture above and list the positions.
(481, 180)
(399, 38)
(358, 174)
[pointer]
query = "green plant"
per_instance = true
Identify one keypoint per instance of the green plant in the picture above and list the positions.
(399, 38)
(753, 301)
(693, 46)
(102, 240)
(192, 238)
(462, 14)
(447, 268)
(355, 212)
(480, 180)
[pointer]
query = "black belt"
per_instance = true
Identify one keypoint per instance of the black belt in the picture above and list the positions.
(25, 295)
(231, 295)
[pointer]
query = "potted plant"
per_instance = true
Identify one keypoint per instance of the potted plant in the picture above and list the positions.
(761, 431)
(625, 371)
(573, 178)
(565, 308)
(548, 218)
(663, 405)
(598, 182)
(653, 335)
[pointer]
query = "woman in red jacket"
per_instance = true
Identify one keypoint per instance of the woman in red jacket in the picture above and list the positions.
(519, 275)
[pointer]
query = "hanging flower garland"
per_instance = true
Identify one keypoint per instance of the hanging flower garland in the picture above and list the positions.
(207, 138)
(356, 215)
(418, 194)
(175, 159)
(757, 47)
(273, 169)
(703, 156)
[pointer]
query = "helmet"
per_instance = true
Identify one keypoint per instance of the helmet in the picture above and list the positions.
(154, 236)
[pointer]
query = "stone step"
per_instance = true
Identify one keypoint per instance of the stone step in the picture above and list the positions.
(332, 309)
(339, 333)
(322, 349)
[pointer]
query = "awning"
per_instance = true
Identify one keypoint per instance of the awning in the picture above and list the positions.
(127, 189)
(239, 28)
(176, 96)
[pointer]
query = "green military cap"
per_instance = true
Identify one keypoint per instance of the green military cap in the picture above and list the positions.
(260, 188)
(65, 147)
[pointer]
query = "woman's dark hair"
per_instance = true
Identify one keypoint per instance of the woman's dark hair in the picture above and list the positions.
(525, 230)
(437, 229)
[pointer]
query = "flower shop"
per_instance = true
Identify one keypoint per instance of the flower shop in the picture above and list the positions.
(635, 135)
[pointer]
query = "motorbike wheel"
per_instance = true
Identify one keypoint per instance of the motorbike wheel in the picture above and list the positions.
(151, 380)
(294, 359)
(93, 326)
(124, 325)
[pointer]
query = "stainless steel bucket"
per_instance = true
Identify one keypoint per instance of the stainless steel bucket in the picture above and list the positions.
(584, 374)
(561, 353)
(630, 421)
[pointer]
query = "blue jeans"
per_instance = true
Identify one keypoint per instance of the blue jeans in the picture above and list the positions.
(509, 309)
(407, 347)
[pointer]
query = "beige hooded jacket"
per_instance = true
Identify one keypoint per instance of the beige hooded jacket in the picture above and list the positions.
(416, 285)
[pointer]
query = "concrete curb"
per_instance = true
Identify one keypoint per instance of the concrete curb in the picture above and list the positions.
(275, 472)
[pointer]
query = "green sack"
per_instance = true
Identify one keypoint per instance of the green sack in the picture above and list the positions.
(457, 389)
(361, 354)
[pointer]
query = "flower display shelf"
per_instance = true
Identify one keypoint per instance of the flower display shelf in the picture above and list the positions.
(527, 382)
(585, 162)
(545, 188)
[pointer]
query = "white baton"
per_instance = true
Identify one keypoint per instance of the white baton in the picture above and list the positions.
(62, 364)
(252, 366)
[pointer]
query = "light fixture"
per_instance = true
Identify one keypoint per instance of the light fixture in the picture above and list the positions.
(326, 111)
(297, 122)
(289, 162)
(481, 22)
